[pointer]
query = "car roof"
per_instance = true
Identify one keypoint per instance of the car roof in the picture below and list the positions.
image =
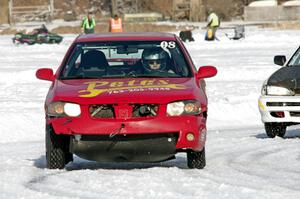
(126, 36)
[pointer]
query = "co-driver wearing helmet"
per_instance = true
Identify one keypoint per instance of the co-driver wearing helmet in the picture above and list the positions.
(155, 60)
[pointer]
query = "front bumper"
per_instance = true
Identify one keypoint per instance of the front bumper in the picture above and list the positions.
(180, 125)
(125, 148)
(279, 109)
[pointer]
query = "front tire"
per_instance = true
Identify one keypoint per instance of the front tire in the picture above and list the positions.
(275, 129)
(196, 159)
(57, 155)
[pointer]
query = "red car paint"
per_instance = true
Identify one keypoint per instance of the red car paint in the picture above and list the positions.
(123, 92)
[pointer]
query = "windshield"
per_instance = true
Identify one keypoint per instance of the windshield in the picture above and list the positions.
(126, 59)
(295, 60)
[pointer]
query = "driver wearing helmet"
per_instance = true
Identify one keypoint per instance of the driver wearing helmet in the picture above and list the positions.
(155, 60)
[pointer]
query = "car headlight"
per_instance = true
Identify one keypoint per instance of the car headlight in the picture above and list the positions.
(276, 90)
(61, 109)
(187, 107)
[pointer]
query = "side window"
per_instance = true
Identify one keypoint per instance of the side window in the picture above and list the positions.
(77, 61)
(180, 65)
(177, 62)
(73, 66)
(296, 59)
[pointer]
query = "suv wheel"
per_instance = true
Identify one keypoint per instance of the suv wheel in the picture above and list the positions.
(196, 159)
(57, 154)
(275, 129)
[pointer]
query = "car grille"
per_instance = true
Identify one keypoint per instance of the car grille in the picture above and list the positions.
(280, 110)
(102, 111)
(295, 114)
(283, 103)
(123, 111)
(145, 110)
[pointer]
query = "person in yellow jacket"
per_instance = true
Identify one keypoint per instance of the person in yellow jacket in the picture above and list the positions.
(115, 24)
(213, 22)
(88, 24)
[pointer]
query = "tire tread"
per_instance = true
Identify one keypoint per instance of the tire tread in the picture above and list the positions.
(196, 159)
(55, 150)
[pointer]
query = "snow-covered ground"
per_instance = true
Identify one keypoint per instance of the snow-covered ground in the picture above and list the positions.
(241, 161)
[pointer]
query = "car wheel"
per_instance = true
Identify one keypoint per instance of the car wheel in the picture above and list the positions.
(275, 129)
(196, 159)
(56, 153)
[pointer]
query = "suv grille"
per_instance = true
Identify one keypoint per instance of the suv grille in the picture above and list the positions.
(295, 114)
(283, 103)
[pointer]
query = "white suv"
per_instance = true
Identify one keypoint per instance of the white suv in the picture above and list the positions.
(279, 103)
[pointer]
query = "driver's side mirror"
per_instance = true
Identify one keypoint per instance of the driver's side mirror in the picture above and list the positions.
(279, 60)
(45, 74)
(206, 72)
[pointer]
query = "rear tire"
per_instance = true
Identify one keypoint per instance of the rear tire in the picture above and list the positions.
(57, 154)
(275, 129)
(196, 159)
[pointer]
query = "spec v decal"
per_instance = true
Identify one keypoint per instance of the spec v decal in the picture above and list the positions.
(95, 88)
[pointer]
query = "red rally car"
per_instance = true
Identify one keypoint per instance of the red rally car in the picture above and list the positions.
(133, 97)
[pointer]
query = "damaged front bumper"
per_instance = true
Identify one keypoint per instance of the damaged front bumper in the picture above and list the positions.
(136, 140)
(125, 148)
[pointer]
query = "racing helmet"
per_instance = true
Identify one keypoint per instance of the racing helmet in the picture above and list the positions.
(154, 59)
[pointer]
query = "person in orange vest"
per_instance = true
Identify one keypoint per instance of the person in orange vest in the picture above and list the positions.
(115, 24)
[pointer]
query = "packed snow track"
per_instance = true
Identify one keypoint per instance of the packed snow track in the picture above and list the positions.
(242, 162)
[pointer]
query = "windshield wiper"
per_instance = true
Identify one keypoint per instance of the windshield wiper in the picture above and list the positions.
(164, 75)
(131, 76)
(148, 76)
(78, 77)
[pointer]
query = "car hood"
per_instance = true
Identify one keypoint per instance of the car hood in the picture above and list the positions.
(287, 77)
(139, 90)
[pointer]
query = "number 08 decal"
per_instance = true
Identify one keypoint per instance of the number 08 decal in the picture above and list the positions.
(167, 44)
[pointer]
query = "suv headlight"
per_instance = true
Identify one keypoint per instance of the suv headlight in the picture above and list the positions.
(186, 107)
(61, 109)
(276, 90)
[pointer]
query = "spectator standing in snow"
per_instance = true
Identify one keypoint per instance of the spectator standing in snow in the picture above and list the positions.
(213, 22)
(115, 24)
(88, 24)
